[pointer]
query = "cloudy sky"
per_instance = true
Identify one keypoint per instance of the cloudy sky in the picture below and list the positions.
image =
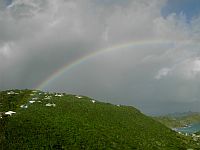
(158, 71)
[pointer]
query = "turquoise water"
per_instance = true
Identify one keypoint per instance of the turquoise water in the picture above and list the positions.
(192, 128)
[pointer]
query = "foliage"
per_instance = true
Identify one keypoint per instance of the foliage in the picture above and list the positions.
(78, 123)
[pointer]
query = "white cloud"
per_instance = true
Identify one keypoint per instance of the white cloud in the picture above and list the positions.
(196, 66)
(186, 69)
(162, 73)
(5, 50)
(190, 68)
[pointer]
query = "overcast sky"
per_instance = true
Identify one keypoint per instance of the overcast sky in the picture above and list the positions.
(37, 37)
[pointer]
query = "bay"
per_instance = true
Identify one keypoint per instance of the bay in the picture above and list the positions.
(192, 128)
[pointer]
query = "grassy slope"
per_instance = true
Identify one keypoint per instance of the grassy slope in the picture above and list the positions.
(80, 124)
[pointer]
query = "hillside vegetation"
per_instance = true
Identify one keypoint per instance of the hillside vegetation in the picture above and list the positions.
(63, 121)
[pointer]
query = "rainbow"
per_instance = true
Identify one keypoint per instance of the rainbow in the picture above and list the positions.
(65, 68)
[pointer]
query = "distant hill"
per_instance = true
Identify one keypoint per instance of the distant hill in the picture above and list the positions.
(179, 119)
(38, 120)
(182, 114)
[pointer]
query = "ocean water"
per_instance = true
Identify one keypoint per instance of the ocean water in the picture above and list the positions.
(192, 128)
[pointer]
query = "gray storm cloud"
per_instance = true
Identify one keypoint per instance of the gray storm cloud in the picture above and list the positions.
(38, 37)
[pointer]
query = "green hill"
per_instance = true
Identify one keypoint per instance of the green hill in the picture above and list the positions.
(62, 121)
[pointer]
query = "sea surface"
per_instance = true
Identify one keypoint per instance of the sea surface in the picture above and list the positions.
(192, 128)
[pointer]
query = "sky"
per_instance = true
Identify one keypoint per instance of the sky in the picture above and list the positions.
(190, 8)
(143, 53)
